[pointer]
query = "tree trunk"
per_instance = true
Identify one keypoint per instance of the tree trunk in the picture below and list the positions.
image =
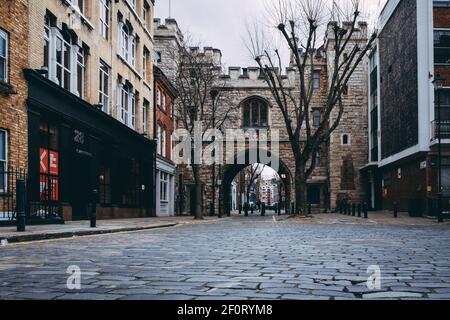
(198, 192)
(300, 189)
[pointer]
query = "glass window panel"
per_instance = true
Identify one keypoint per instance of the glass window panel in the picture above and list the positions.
(255, 114)
(247, 115)
(263, 115)
(2, 146)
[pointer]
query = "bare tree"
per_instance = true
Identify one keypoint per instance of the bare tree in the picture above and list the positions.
(200, 100)
(299, 24)
(252, 174)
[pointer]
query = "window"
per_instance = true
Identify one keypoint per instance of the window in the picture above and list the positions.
(127, 44)
(163, 103)
(442, 46)
(81, 70)
(316, 80)
(145, 14)
(47, 43)
(126, 105)
(158, 97)
(104, 18)
(79, 4)
(255, 113)
(104, 86)
(3, 56)
(316, 118)
(164, 187)
(63, 62)
(3, 160)
(145, 56)
(132, 3)
(164, 143)
(144, 116)
(158, 57)
(345, 140)
(158, 137)
(124, 42)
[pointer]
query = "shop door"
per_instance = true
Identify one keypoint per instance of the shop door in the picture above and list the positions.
(81, 188)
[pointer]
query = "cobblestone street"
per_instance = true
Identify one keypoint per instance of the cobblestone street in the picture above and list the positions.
(236, 258)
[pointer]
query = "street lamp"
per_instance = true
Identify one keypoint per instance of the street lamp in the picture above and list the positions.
(438, 84)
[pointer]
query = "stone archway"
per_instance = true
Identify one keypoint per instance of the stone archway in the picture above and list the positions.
(231, 171)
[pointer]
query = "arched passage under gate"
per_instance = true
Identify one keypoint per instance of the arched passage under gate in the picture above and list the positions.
(231, 171)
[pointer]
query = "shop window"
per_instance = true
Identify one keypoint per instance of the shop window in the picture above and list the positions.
(130, 182)
(105, 185)
(164, 187)
(255, 114)
(104, 18)
(442, 46)
(3, 160)
(49, 162)
(3, 56)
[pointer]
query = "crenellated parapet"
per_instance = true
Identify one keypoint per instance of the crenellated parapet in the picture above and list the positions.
(254, 74)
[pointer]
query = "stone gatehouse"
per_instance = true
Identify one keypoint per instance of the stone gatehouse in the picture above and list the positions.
(338, 172)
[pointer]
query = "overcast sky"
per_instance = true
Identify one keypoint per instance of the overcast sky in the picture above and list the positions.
(222, 23)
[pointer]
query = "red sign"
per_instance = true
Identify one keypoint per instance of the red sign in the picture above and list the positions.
(49, 169)
(49, 162)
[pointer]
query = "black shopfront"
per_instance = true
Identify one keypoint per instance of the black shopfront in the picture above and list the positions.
(78, 155)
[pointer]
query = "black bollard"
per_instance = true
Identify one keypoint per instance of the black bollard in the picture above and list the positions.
(20, 205)
(359, 210)
(309, 209)
(240, 208)
(246, 209)
(93, 217)
(293, 209)
(366, 215)
(395, 210)
(349, 209)
(263, 210)
(354, 209)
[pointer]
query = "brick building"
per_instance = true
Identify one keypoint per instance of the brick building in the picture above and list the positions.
(13, 94)
(165, 95)
(90, 95)
(413, 47)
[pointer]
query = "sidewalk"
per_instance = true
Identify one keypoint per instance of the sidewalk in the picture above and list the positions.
(81, 228)
(374, 218)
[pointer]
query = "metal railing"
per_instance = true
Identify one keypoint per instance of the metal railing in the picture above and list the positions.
(8, 192)
(443, 132)
(46, 208)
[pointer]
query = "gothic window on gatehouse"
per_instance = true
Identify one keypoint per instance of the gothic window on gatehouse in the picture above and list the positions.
(255, 113)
